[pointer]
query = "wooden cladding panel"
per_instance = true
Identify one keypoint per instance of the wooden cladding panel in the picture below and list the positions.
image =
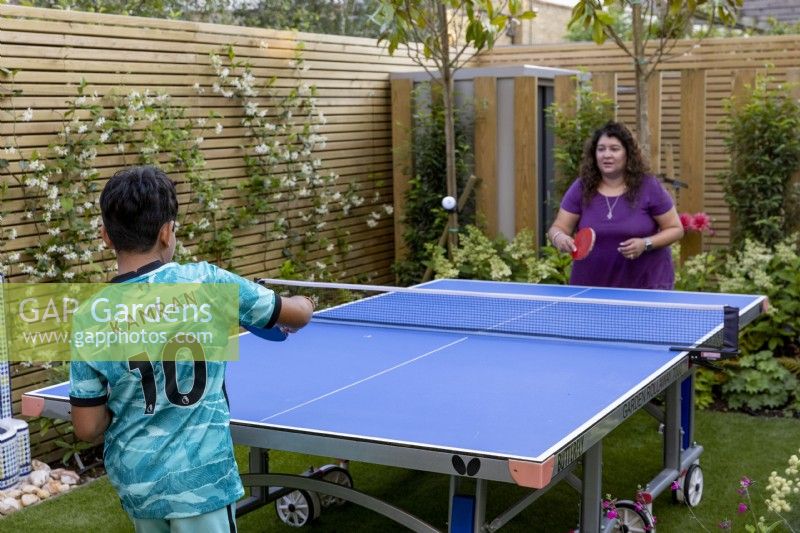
(485, 150)
(526, 179)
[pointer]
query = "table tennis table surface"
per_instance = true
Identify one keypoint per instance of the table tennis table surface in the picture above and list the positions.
(504, 397)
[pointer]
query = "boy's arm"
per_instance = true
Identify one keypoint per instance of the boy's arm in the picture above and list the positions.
(88, 397)
(90, 422)
(262, 308)
(295, 311)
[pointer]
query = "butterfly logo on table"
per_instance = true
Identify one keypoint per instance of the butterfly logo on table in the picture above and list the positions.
(471, 468)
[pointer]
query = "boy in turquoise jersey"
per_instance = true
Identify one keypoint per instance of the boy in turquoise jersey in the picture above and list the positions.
(171, 462)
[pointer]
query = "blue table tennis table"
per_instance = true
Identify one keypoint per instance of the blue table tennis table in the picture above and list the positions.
(491, 405)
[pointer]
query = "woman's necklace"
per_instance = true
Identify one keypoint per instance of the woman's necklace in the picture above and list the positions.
(611, 206)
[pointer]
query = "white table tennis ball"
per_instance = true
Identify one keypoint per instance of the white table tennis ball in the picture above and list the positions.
(449, 203)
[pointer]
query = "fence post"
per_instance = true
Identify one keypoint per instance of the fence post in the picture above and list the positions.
(693, 147)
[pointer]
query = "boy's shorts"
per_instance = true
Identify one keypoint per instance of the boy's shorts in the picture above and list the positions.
(219, 521)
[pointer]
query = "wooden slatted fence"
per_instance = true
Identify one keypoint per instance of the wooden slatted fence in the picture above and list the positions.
(54, 50)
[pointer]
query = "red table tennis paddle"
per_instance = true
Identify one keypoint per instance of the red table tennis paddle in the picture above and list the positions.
(584, 242)
(275, 334)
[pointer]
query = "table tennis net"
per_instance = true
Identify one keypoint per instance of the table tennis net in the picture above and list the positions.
(701, 327)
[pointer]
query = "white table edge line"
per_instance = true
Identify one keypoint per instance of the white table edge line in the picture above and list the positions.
(386, 441)
(610, 408)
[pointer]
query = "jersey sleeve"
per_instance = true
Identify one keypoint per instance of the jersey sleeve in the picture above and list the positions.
(87, 387)
(258, 305)
(660, 199)
(572, 201)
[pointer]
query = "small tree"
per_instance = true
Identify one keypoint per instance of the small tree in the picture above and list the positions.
(663, 21)
(446, 34)
(424, 218)
(763, 136)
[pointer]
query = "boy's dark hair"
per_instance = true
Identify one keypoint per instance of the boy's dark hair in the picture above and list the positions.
(135, 203)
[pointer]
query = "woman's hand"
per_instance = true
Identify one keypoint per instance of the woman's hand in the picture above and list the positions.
(564, 243)
(632, 248)
(561, 230)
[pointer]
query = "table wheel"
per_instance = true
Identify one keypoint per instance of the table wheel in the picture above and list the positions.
(691, 487)
(298, 508)
(340, 476)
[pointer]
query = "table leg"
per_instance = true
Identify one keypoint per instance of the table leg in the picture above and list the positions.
(259, 464)
(467, 510)
(672, 426)
(687, 410)
(592, 489)
(481, 493)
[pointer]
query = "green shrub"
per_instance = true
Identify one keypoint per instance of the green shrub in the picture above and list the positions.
(759, 382)
(705, 380)
(573, 126)
(763, 137)
(698, 273)
(478, 257)
(757, 269)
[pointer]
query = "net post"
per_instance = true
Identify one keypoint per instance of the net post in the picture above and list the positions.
(730, 331)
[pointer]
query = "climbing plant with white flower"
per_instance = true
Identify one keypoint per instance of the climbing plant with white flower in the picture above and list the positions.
(282, 131)
(59, 185)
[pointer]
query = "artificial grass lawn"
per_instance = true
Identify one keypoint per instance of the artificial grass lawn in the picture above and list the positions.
(736, 445)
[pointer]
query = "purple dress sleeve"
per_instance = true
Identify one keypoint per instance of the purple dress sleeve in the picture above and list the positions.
(572, 198)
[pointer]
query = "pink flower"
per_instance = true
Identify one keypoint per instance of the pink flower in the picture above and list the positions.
(676, 485)
(612, 514)
(745, 482)
(687, 221)
(742, 508)
(701, 222)
(725, 524)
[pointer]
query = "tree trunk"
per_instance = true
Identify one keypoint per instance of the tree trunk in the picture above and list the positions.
(449, 127)
(640, 70)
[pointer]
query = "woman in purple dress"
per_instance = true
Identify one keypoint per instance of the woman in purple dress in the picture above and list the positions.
(633, 217)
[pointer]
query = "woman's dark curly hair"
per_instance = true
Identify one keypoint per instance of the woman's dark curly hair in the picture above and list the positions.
(635, 167)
